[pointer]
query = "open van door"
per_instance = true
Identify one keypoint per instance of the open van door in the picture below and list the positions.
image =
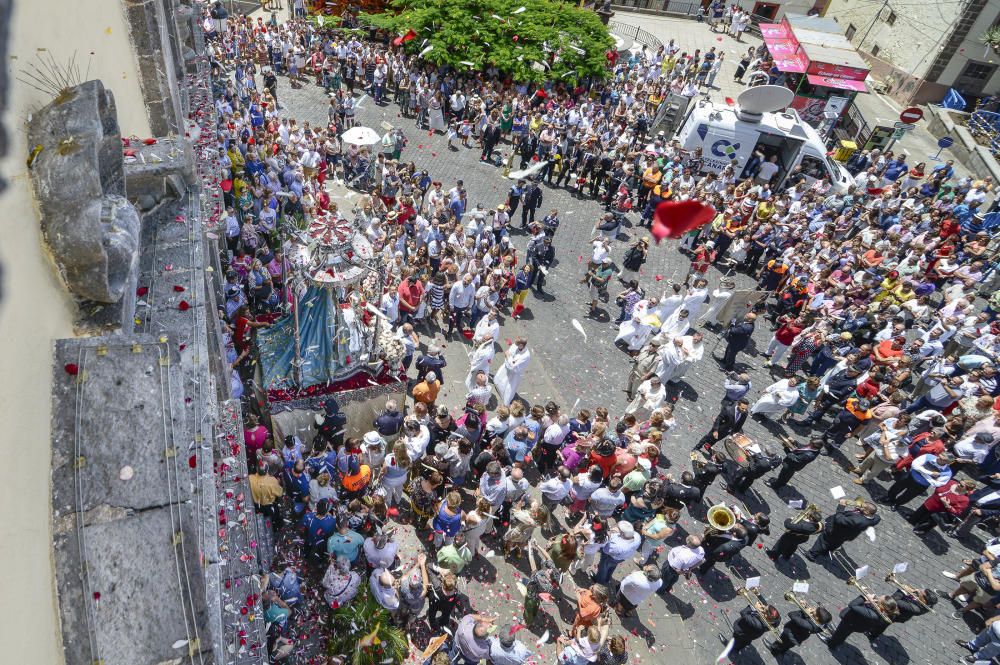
(816, 167)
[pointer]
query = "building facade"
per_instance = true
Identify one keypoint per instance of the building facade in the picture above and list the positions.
(918, 51)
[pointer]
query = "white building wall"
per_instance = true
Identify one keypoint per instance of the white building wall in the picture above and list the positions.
(973, 49)
(911, 42)
(36, 309)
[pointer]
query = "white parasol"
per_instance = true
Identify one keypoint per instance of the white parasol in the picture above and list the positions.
(360, 136)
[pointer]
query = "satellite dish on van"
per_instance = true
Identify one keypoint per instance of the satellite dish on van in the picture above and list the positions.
(764, 99)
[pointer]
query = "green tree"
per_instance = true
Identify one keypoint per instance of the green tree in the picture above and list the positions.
(532, 40)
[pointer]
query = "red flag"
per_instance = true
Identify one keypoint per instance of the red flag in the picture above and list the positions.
(398, 41)
(673, 219)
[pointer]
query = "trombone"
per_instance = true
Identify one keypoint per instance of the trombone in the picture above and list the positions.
(908, 590)
(869, 597)
(810, 511)
(808, 610)
(759, 607)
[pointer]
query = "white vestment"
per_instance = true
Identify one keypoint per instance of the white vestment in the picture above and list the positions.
(691, 353)
(634, 332)
(508, 378)
(671, 357)
(777, 397)
(667, 306)
(647, 398)
(719, 300)
(674, 326)
(480, 361)
(486, 329)
(694, 302)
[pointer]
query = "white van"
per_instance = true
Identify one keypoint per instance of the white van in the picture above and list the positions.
(725, 134)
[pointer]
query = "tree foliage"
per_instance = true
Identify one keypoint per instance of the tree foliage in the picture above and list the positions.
(547, 40)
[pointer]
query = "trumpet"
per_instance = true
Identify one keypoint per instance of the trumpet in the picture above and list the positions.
(907, 589)
(808, 610)
(759, 607)
(870, 597)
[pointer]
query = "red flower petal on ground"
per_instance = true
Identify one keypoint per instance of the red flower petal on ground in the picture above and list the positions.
(141, 291)
(193, 461)
(97, 595)
(71, 368)
(178, 288)
(183, 305)
(149, 141)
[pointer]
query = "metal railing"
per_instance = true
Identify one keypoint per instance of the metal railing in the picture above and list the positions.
(986, 125)
(666, 6)
(635, 32)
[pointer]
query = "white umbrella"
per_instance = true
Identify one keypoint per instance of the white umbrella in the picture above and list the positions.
(360, 136)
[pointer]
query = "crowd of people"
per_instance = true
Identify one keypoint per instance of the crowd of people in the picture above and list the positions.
(883, 335)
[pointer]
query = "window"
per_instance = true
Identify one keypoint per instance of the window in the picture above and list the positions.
(851, 30)
(875, 50)
(891, 18)
(975, 70)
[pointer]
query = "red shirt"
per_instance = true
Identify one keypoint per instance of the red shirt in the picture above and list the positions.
(410, 291)
(957, 502)
(787, 333)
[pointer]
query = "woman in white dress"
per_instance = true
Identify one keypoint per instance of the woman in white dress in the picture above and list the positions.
(649, 397)
(480, 359)
(478, 522)
(777, 398)
(435, 113)
(509, 377)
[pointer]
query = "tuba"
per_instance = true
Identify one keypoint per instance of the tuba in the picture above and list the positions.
(720, 518)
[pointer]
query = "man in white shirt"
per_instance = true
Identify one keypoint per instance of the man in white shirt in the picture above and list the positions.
(681, 560)
(635, 588)
(460, 299)
(767, 169)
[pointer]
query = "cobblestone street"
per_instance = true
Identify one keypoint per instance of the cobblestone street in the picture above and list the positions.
(568, 367)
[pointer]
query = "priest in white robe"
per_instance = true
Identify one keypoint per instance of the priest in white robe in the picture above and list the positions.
(635, 332)
(675, 326)
(720, 297)
(694, 301)
(488, 326)
(777, 398)
(692, 351)
(671, 357)
(649, 397)
(510, 374)
(669, 303)
(480, 360)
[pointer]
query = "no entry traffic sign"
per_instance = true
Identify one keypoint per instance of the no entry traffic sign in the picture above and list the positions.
(911, 115)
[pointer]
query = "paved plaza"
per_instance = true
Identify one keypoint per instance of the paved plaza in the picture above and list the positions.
(569, 368)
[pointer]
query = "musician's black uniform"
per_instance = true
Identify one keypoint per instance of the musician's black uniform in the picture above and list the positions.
(720, 547)
(748, 627)
(753, 530)
(843, 526)
(907, 606)
(741, 478)
(704, 476)
(858, 617)
(796, 533)
(795, 460)
(797, 630)
(677, 495)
